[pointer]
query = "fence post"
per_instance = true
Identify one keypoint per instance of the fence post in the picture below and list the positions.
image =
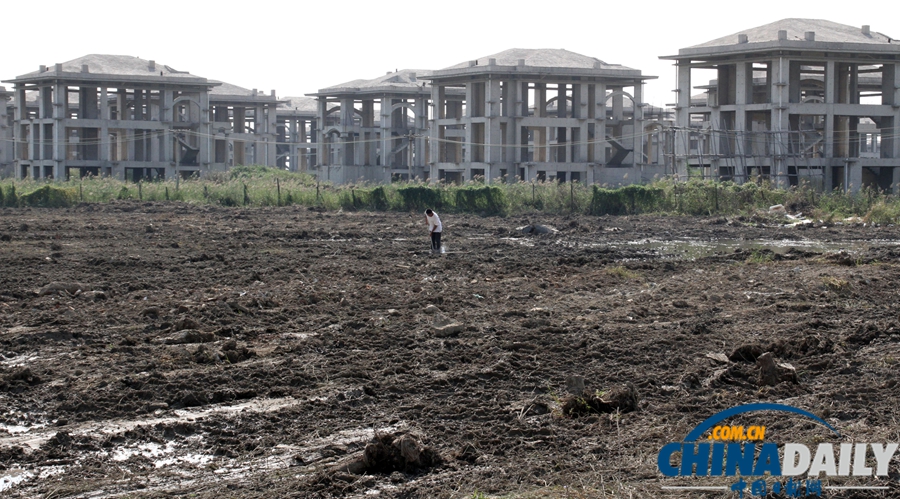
(140, 190)
(278, 187)
(317, 191)
(167, 193)
(246, 197)
(532, 193)
(572, 196)
(81, 190)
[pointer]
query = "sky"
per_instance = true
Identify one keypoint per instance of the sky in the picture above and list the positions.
(298, 47)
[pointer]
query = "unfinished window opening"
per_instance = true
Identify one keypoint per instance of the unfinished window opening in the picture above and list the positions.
(879, 178)
(762, 82)
(808, 135)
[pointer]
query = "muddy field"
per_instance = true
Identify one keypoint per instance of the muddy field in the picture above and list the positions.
(151, 350)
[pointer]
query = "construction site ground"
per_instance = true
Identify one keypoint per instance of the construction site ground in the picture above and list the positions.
(151, 350)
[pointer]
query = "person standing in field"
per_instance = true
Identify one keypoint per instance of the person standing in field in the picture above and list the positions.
(434, 228)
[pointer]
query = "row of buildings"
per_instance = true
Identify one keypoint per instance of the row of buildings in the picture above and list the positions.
(797, 100)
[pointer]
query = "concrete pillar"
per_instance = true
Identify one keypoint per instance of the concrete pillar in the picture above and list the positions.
(438, 98)
(598, 146)
(682, 120)
(385, 132)
(638, 131)
(470, 111)
(780, 119)
(205, 130)
(512, 97)
(492, 137)
(60, 117)
(421, 159)
(322, 151)
(271, 127)
(167, 115)
(743, 97)
(580, 107)
(104, 127)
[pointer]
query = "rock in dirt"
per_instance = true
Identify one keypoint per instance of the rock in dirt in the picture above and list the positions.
(151, 312)
(575, 385)
(535, 229)
(770, 373)
(432, 309)
(58, 287)
(185, 323)
(389, 453)
(444, 327)
(620, 399)
(189, 336)
(93, 295)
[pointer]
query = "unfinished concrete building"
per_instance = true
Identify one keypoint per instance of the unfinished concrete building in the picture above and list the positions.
(539, 114)
(111, 115)
(374, 130)
(794, 101)
(243, 126)
(7, 144)
(297, 133)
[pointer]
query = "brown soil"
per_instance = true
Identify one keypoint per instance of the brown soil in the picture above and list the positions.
(152, 350)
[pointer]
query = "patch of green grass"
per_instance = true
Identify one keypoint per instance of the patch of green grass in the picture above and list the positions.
(761, 256)
(621, 272)
(835, 284)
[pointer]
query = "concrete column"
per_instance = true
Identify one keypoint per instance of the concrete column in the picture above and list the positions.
(385, 132)
(780, 119)
(638, 132)
(894, 70)
(599, 145)
(322, 150)
(470, 111)
(830, 100)
(421, 159)
(580, 108)
(205, 131)
(682, 120)
(104, 145)
(271, 127)
(743, 97)
(492, 137)
(511, 98)
(438, 97)
(165, 142)
(60, 117)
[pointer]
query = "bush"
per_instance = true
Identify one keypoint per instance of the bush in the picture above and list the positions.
(49, 197)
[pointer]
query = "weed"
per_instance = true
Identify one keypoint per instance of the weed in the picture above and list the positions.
(761, 256)
(621, 272)
(835, 284)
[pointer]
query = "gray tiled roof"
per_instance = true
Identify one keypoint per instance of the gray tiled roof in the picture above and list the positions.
(118, 65)
(299, 105)
(543, 58)
(826, 31)
(402, 80)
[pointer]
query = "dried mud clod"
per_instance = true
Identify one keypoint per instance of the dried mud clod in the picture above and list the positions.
(391, 452)
(771, 374)
(619, 399)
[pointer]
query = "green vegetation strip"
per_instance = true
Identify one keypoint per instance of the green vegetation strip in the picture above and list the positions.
(261, 186)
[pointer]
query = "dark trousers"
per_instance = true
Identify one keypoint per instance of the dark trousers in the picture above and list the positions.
(436, 242)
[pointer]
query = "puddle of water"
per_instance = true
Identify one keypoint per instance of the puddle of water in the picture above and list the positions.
(34, 439)
(12, 478)
(14, 429)
(694, 248)
(691, 249)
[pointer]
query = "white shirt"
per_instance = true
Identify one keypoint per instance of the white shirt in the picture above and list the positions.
(434, 221)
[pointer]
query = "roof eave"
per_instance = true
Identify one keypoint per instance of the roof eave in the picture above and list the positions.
(749, 48)
(102, 77)
(531, 71)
